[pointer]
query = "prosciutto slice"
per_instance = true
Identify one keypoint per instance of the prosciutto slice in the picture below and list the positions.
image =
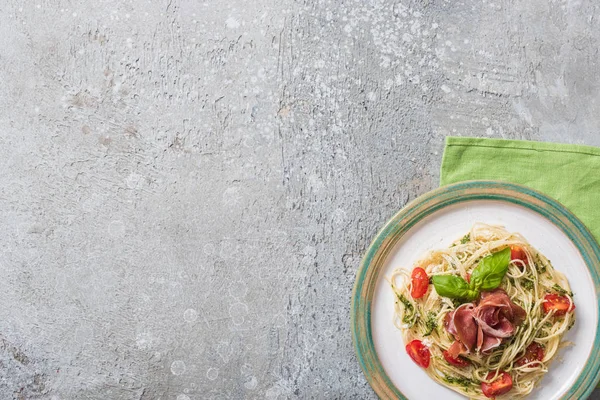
(461, 324)
(456, 349)
(497, 315)
(482, 327)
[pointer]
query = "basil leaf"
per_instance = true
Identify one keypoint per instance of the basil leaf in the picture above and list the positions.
(454, 287)
(490, 271)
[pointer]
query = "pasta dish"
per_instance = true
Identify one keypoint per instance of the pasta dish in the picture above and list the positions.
(486, 316)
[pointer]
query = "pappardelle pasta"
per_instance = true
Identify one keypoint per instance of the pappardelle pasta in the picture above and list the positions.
(486, 316)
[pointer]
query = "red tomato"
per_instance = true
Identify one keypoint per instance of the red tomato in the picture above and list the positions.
(560, 304)
(517, 253)
(468, 277)
(500, 386)
(458, 361)
(420, 283)
(419, 353)
(534, 352)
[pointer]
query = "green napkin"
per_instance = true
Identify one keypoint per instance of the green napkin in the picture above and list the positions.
(566, 172)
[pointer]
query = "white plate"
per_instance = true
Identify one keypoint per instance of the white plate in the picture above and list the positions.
(401, 376)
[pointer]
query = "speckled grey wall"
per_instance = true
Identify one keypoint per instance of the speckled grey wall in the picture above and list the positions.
(187, 186)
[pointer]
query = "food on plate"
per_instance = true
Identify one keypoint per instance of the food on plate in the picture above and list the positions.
(486, 316)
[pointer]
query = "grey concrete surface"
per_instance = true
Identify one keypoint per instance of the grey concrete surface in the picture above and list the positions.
(187, 186)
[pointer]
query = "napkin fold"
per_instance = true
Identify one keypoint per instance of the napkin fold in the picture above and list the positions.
(566, 172)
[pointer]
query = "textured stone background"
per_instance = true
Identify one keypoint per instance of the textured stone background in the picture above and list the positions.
(187, 186)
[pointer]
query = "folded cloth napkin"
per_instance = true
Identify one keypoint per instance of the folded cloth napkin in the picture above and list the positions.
(566, 172)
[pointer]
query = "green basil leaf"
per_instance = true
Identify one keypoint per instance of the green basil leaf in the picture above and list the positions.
(491, 270)
(454, 287)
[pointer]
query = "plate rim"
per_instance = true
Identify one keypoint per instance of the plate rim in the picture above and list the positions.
(430, 202)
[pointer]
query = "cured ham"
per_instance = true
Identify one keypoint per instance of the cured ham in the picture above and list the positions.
(482, 327)
(497, 315)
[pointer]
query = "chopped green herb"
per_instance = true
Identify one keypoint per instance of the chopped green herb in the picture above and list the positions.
(556, 287)
(527, 284)
(430, 324)
(495, 359)
(571, 324)
(540, 266)
(407, 304)
(408, 307)
(465, 239)
(459, 380)
(456, 302)
(500, 350)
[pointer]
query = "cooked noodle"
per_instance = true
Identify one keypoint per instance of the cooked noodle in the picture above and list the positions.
(525, 284)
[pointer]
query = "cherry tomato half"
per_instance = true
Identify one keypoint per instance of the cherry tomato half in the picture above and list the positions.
(560, 304)
(458, 361)
(500, 386)
(419, 353)
(534, 352)
(420, 283)
(517, 253)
